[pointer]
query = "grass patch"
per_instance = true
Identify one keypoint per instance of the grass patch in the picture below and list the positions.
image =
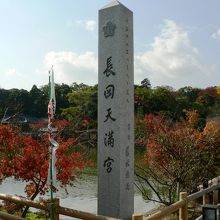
(36, 216)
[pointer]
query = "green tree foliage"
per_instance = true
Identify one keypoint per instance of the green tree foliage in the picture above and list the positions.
(162, 101)
(189, 93)
(14, 100)
(146, 83)
(173, 104)
(142, 97)
(83, 102)
(79, 101)
(158, 100)
(62, 91)
(38, 105)
(33, 103)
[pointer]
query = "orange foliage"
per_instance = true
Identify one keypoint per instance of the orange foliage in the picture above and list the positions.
(179, 150)
(192, 118)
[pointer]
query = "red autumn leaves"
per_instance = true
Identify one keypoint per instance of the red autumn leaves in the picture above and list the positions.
(27, 159)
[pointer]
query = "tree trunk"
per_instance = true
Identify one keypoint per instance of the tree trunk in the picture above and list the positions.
(24, 213)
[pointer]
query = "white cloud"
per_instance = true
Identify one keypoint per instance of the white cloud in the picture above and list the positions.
(14, 78)
(71, 67)
(216, 35)
(89, 25)
(11, 72)
(171, 60)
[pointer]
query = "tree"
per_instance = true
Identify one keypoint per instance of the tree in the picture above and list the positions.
(38, 102)
(146, 83)
(62, 91)
(162, 101)
(3, 102)
(210, 99)
(14, 100)
(27, 159)
(83, 105)
(190, 93)
(76, 87)
(178, 157)
(142, 96)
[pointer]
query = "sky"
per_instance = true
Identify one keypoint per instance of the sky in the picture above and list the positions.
(176, 42)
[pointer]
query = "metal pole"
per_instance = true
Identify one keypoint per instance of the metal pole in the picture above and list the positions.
(51, 183)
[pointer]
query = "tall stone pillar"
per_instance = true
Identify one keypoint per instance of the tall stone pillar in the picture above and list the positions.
(116, 112)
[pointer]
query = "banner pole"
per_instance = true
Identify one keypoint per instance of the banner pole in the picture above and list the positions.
(51, 183)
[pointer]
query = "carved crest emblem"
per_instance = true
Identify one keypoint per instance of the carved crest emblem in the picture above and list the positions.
(109, 29)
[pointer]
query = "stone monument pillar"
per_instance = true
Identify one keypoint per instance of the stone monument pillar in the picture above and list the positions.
(116, 112)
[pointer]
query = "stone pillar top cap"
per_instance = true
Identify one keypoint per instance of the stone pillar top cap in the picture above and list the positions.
(113, 3)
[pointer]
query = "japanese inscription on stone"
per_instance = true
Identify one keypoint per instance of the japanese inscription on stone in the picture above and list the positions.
(115, 112)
